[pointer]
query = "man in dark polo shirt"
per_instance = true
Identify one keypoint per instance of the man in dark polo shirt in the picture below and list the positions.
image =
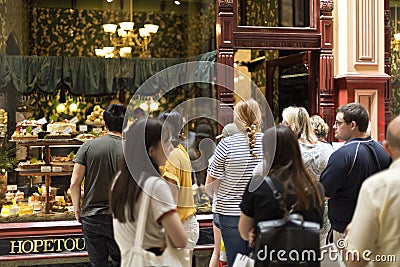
(350, 165)
(97, 161)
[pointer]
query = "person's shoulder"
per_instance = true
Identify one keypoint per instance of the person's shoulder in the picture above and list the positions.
(182, 150)
(324, 148)
(342, 150)
(381, 182)
(351, 146)
(378, 145)
(93, 143)
(98, 139)
(377, 178)
(179, 153)
(161, 187)
(257, 186)
(235, 139)
(86, 144)
(176, 152)
(110, 137)
(325, 145)
(227, 141)
(157, 182)
(383, 177)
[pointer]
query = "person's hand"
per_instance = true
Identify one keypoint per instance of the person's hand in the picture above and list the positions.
(252, 236)
(78, 215)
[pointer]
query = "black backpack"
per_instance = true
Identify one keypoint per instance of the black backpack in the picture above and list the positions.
(289, 241)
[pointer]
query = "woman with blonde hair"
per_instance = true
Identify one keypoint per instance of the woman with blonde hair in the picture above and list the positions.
(320, 128)
(298, 120)
(315, 154)
(235, 157)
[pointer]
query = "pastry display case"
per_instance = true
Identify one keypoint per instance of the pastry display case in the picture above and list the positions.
(49, 167)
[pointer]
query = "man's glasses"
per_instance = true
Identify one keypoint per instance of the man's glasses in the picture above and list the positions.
(338, 123)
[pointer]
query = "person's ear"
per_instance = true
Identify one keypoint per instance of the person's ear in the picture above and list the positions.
(353, 125)
(387, 148)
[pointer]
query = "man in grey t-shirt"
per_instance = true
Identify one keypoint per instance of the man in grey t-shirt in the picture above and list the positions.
(97, 162)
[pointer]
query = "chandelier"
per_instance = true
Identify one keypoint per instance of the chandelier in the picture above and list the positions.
(124, 38)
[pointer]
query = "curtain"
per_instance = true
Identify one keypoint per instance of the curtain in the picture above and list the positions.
(93, 76)
(27, 73)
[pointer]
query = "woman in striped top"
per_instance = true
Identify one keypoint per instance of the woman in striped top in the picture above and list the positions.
(235, 157)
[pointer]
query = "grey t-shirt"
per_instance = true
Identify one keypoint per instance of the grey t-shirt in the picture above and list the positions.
(100, 157)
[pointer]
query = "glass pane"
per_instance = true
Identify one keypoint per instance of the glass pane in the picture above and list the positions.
(274, 13)
(288, 81)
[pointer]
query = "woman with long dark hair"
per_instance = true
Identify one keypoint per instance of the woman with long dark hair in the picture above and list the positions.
(301, 191)
(147, 145)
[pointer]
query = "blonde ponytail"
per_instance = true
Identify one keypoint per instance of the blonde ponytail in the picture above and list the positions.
(247, 117)
(252, 138)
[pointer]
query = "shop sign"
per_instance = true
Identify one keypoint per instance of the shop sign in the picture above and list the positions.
(40, 245)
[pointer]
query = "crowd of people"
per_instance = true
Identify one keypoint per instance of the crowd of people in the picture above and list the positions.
(351, 191)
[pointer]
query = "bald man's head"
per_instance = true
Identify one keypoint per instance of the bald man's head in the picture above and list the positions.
(393, 135)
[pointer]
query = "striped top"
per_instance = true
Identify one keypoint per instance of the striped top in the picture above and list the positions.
(233, 165)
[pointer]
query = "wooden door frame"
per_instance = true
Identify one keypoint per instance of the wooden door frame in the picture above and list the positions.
(309, 58)
(318, 38)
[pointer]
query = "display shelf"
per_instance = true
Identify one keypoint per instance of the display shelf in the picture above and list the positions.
(47, 144)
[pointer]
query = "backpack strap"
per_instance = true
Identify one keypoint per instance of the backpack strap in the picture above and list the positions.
(277, 195)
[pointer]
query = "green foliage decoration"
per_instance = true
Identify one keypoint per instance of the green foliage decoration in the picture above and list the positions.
(47, 107)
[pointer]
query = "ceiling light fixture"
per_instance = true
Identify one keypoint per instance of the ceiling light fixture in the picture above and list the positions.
(124, 38)
(178, 3)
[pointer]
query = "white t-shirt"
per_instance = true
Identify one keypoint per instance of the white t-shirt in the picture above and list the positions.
(161, 202)
(233, 165)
